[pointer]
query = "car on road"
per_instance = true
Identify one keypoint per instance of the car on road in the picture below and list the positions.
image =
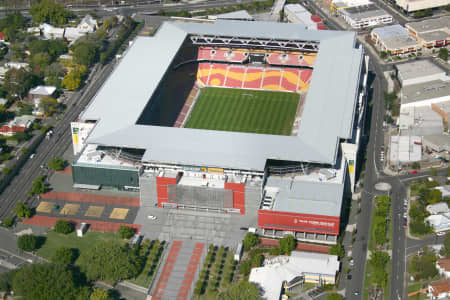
(356, 293)
(32, 155)
(414, 172)
(349, 276)
(243, 228)
(440, 233)
(151, 217)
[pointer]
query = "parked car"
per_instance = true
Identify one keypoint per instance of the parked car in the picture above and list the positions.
(414, 172)
(151, 217)
(440, 233)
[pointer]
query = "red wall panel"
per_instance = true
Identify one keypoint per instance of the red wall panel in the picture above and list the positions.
(298, 222)
(238, 195)
(161, 188)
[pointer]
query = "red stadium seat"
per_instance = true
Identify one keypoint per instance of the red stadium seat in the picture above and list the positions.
(253, 78)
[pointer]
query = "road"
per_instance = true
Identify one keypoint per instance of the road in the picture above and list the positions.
(53, 147)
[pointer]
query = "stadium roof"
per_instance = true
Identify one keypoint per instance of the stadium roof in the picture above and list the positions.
(327, 116)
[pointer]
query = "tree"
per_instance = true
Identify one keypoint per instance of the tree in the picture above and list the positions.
(49, 105)
(6, 280)
(47, 281)
(424, 266)
(110, 23)
(38, 187)
(287, 244)
(85, 53)
(337, 249)
(110, 261)
(22, 210)
(378, 260)
(100, 294)
(64, 227)
(125, 232)
(64, 256)
(8, 222)
(443, 54)
(243, 291)
(380, 230)
(57, 164)
(415, 165)
(19, 81)
(383, 54)
(47, 11)
(12, 25)
(257, 260)
(27, 242)
(250, 240)
(73, 79)
(40, 61)
(334, 296)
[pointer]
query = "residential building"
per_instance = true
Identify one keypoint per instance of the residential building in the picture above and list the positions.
(437, 208)
(19, 124)
(439, 222)
(395, 40)
(87, 24)
(439, 289)
(443, 266)
(51, 32)
(419, 71)
(41, 91)
(431, 33)
(305, 266)
(414, 5)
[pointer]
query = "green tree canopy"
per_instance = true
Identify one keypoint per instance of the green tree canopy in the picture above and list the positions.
(47, 281)
(446, 248)
(424, 266)
(57, 164)
(49, 105)
(64, 256)
(12, 25)
(27, 242)
(22, 210)
(47, 11)
(73, 79)
(287, 244)
(337, 249)
(250, 240)
(38, 187)
(243, 291)
(378, 260)
(64, 226)
(125, 232)
(110, 261)
(85, 53)
(19, 81)
(101, 294)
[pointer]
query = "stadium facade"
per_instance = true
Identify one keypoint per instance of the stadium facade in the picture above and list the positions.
(132, 135)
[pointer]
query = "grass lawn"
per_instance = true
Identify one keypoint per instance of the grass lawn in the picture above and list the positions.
(244, 111)
(414, 287)
(56, 240)
(308, 286)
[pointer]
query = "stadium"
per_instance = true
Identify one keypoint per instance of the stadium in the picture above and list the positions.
(231, 117)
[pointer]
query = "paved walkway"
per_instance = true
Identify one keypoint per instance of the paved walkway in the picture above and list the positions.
(80, 197)
(300, 246)
(178, 273)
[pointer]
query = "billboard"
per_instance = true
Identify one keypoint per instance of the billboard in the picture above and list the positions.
(80, 132)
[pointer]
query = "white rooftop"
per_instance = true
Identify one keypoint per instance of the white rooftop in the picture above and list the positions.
(437, 208)
(439, 221)
(43, 90)
(405, 149)
(285, 268)
(418, 68)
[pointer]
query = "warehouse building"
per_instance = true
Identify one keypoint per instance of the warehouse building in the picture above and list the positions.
(405, 149)
(151, 150)
(395, 40)
(414, 5)
(419, 71)
(425, 94)
(437, 143)
(295, 13)
(301, 267)
(431, 33)
(360, 17)
(420, 121)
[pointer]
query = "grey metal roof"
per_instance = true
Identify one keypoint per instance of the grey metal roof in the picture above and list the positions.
(235, 15)
(418, 68)
(438, 35)
(424, 91)
(365, 12)
(327, 116)
(307, 197)
(430, 24)
(391, 31)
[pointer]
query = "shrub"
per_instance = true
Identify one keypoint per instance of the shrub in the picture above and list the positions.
(27, 242)
(250, 240)
(125, 232)
(64, 227)
(8, 222)
(22, 210)
(64, 256)
(287, 244)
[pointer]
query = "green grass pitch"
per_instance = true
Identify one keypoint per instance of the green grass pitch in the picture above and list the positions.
(244, 111)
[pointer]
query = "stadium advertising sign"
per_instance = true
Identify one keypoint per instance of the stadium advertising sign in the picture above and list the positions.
(192, 168)
(215, 170)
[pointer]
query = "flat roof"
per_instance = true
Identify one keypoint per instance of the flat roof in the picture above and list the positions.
(327, 116)
(424, 91)
(391, 31)
(234, 15)
(417, 69)
(430, 24)
(365, 12)
(442, 140)
(438, 35)
(307, 197)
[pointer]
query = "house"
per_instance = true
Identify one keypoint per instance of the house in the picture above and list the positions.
(2, 36)
(439, 289)
(34, 31)
(87, 24)
(16, 65)
(443, 266)
(439, 222)
(19, 124)
(41, 91)
(437, 208)
(73, 33)
(50, 32)
(286, 271)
